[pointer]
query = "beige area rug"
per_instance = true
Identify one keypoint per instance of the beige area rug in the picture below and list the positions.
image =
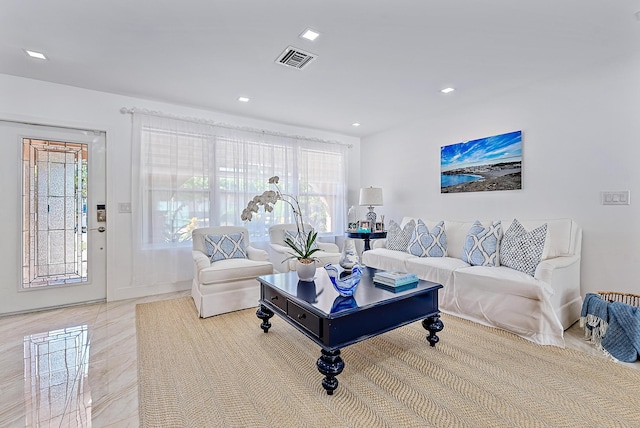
(224, 371)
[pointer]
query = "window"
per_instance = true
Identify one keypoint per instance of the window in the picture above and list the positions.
(175, 181)
(54, 222)
(195, 175)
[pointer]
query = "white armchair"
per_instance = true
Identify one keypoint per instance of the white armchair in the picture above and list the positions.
(229, 284)
(279, 251)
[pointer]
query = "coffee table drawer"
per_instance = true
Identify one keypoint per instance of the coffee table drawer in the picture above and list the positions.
(304, 318)
(276, 298)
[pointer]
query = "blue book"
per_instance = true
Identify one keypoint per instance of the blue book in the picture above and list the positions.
(394, 283)
(396, 275)
(396, 289)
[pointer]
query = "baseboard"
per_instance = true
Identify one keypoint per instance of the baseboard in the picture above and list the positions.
(147, 290)
(50, 308)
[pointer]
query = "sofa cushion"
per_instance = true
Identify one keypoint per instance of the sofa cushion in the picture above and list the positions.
(225, 246)
(385, 259)
(482, 244)
(521, 249)
(502, 280)
(234, 269)
(398, 238)
(436, 269)
(425, 243)
(505, 298)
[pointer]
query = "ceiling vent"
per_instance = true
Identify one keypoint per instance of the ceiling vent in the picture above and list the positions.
(296, 58)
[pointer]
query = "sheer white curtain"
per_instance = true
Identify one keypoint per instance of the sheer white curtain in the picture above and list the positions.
(187, 175)
(313, 171)
(170, 195)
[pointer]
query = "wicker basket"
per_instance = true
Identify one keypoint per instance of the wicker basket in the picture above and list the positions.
(613, 296)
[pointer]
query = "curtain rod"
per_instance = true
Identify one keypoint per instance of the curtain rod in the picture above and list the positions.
(125, 110)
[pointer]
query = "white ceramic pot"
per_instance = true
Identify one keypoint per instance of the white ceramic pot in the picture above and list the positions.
(306, 271)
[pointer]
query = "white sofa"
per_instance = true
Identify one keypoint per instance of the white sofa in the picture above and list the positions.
(538, 308)
(226, 285)
(279, 251)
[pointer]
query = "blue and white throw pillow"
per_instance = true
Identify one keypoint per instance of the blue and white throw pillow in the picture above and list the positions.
(398, 238)
(481, 246)
(428, 244)
(300, 239)
(223, 247)
(522, 250)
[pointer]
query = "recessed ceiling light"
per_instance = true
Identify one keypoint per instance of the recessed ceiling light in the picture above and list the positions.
(355, 124)
(243, 99)
(309, 34)
(34, 54)
(447, 90)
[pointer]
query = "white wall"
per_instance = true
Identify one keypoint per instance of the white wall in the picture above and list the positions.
(45, 103)
(581, 135)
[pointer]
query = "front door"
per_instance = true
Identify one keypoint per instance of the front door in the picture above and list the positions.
(55, 216)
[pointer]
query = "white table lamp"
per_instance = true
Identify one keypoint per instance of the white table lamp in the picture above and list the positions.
(371, 197)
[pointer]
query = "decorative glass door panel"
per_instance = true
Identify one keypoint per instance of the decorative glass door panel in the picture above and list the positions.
(54, 223)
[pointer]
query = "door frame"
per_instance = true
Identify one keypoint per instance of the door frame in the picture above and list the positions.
(17, 299)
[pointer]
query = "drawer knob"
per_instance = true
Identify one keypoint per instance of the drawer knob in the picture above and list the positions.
(302, 316)
(274, 297)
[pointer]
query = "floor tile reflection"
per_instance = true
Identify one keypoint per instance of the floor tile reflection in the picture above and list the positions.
(55, 370)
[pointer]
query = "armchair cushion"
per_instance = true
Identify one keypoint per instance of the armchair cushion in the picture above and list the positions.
(279, 251)
(225, 246)
(328, 247)
(300, 239)
(233, 270)
(257, 254)
(278, 232)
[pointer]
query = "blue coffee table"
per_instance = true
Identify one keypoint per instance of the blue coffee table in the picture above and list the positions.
(317, 310)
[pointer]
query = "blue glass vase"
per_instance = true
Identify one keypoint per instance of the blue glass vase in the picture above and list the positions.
(344, 286)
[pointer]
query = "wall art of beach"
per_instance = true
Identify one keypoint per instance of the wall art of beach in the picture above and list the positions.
(485, 164)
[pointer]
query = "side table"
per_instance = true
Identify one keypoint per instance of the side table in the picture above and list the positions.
(367, 237)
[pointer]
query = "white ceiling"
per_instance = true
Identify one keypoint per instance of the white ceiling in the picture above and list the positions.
(380, 63)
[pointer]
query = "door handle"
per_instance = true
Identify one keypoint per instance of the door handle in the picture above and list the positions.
(100, 229)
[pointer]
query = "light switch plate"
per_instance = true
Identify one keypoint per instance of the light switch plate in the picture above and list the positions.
(124, 207)
(618, 197)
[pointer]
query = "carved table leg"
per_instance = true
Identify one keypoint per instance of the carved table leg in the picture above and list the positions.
(264, 314)
(434, 325)
(330, 364)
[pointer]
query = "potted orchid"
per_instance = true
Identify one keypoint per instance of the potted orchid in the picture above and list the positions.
(303, 246)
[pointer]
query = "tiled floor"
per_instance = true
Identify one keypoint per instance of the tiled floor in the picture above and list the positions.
(77, 366)
(71, 367)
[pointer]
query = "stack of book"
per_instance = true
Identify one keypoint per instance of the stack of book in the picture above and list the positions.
(395, 280)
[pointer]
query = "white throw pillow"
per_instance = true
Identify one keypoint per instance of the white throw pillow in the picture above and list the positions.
(522, 250)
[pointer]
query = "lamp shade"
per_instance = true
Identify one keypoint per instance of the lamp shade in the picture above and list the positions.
(370, 196)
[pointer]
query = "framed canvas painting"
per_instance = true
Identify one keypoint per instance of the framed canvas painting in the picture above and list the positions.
(485, 164)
